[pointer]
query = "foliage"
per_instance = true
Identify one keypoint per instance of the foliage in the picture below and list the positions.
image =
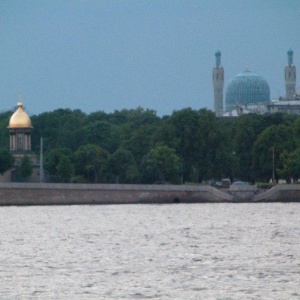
(247, 130)
(91, 161)
(99, 133)
(64, 169)
(183, 129)
(125, 145)
(52, 159)
(6, 160)
(265, 185)
(59, 128)
(123, 167)
(267, 150)
(213, 153)
(162, 164)
(4, 134)
(25, 168)
(291, 165)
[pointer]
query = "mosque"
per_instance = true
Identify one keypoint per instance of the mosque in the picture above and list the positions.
(250, 93)
(19, 128)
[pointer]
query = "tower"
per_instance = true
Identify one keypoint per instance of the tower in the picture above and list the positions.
(20, 131)
(218, 82)
(290, 77)
(20, 144)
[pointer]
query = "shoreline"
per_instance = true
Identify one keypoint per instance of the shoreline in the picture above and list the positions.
(21, 194)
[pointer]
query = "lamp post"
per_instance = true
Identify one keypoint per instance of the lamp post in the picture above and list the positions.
(233, 161)
(273, 165)
(41, 161)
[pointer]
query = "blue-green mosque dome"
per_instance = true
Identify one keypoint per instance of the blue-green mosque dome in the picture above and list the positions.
(246, 88)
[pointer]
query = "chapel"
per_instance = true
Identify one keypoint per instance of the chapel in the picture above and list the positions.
(20, 128)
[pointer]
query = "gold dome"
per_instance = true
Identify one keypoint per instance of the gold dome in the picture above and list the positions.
(20, 119)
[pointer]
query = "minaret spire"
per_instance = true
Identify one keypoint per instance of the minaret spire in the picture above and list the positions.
(290, 57)
(218, 84)
(218, 58)
(290, 77)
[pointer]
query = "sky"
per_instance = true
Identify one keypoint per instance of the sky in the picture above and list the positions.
(111, 55)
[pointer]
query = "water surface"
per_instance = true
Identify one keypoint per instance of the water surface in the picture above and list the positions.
(184, 251)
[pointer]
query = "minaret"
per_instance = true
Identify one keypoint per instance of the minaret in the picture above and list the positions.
(218, 82)
(290, 77)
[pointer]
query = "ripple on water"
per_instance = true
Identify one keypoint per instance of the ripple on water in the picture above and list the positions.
(211, 251)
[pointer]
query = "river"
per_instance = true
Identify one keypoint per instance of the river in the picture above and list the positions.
(179, 251)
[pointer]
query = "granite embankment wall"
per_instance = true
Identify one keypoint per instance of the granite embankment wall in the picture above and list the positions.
(67, 194)
(280, 193)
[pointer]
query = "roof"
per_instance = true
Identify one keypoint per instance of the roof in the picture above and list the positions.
(20, 119)
(246, 87)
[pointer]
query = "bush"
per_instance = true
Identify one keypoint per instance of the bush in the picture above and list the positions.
(265, 185)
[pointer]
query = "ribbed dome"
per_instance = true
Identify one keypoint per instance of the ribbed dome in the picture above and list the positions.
(20, 119)
(246, 88)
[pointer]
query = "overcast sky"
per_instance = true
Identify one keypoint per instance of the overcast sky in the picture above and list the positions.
(110, 55)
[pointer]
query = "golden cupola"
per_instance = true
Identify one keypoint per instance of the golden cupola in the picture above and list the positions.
(20, 119)
(20, 131)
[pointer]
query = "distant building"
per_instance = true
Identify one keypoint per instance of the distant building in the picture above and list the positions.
(20, 145)
(20, 131)
(282, 106)
(250, 93)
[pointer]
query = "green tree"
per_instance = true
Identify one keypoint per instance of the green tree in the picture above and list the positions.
(134, 117)
(247, 130)
(60, 128)
(200, 142)
(25, 168)
(140, 141)
(72, 131)
(123, 167)
(64, 169)
(6, 160)
(91, 161)
(4, 134)
(270, 144)
(46, 125)
(213, 147)
(208, 147)
(52, 159)
(291, 165)
(182, 135)
(99, 133)
(296, 129)
(161, 163)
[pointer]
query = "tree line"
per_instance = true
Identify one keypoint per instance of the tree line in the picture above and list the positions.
(137, 146)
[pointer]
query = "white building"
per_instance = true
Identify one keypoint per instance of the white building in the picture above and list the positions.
(250, 93)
